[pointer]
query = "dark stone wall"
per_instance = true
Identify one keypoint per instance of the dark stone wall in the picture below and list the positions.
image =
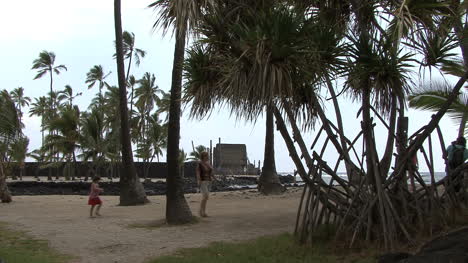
(154, 170)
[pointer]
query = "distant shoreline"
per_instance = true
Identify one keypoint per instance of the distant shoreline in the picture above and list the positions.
(30, 186)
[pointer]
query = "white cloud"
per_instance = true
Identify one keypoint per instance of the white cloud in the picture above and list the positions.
(54, 20)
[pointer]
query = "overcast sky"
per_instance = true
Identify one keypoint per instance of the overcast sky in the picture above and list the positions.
(81, 34)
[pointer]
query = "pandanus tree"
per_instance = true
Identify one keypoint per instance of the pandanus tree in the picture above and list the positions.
(260, 67)
(10, 129)
(182, 16)
(131, 189)
(378, 78)
(246, 65)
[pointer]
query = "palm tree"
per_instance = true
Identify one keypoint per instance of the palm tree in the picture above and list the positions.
(196, 153)
(40, 108)
(10, 129)
(130, 51)
(164, 104)
(39, 155)
(66, 138)
(182, 16)
(131, 189)
(432, 97)
(45, 64)
(93, 145)
(17, 95)
(96, 75)
(131, 84)
(147, 97)
(18, 151)
(67, 94)
(157, 135)
(112, 128)
(155, 141)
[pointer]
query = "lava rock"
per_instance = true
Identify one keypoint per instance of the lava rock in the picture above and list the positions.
(451, 247)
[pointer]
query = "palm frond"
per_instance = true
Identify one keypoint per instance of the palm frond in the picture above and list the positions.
(431, 97)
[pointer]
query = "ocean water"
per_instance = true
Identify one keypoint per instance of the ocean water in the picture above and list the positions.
(425, 175)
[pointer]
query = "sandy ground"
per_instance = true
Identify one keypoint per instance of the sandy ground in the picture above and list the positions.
(64, 221)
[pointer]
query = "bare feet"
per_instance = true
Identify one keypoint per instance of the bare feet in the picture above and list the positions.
(203, 214)
(97, 214)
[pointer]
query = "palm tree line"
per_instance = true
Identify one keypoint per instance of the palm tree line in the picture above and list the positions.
(282, 57)
(92, 135)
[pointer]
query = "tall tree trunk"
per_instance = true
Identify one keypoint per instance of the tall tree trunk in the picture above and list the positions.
(49, 176)
(129, 65)
(352, 171)
(461, 129)
(5, 195)
(177, 209)
(131, 189)
(126, 81)
(21, 171)
(460, 31)
(75, 168)
(386, 161)
(269, 182)
(131, 99)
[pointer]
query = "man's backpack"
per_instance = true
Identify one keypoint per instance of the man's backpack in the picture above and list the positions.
(457, 157)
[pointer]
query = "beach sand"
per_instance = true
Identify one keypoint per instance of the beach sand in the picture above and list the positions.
(64, 222)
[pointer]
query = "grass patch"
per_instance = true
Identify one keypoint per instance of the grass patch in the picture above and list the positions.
(155, 224)
(18, 247)
(271, 249)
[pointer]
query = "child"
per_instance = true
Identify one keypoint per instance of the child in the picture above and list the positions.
(94, 196)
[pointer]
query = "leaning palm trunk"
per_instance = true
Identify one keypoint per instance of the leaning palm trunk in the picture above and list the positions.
(131, 189)
(461, 129)
(5, 195)
(177, 209)
(269, 182)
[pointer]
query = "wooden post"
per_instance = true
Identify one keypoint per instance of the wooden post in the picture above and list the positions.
(211, 152)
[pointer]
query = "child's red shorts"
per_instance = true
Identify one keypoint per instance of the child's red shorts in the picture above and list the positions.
(94, 201)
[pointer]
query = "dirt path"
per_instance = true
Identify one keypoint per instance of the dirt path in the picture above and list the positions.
(63, 221)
